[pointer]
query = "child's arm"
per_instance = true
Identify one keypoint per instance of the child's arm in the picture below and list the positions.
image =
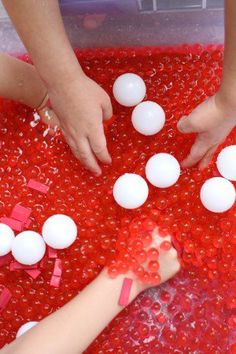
(72, 328)
(80, 104)
(20, 81)
(214, 119)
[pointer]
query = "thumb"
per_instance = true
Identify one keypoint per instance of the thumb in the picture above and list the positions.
(185, 125)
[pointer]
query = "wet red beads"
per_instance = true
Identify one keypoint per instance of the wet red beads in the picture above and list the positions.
(191, 311)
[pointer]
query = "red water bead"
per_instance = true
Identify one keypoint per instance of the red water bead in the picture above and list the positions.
(152, 254)
(145, 278)
(165, 246)
(139, 271)
(225, 225)
(161, 318)
(149, 225)
(165, 296)
(113, 272)
(140, 256)
(189, 246)
(155, 279)
(154, 213)
(147, 239)
(137, 245)
(153, 266)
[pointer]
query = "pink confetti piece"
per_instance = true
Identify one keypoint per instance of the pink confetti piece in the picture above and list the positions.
(4, 298)
(57, 268)
(40, 187)
(56, 275)
(125, 292)
(14, 224)
(21, 213)
(27, 223)
(18, 266)
(5, 260)
(52, 253)
(34, 273)
(55, 281)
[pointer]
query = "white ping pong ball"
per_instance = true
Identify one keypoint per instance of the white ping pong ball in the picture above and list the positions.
(6, 238)
(25, 328)
(129, 89)
(226, 162)
(130, 191)
(217, 194)
(59, 231)
(162, 170)
(148, 118)
(28, 247)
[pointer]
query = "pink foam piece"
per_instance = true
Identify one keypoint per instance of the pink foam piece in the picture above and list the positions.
(14, 224)
(125, 292)
(57, 268)
(34, 273)
(4, 298)
(55, 281)
(21, 213)
(40, 187)
(5, 260)
(27, 223)
(18, 266)
(56, 275)
(52, 253)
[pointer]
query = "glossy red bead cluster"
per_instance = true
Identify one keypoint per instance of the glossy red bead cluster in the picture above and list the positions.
(194, 311)
(136, 252)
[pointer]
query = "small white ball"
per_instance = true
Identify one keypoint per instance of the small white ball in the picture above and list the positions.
(129, 89)
(130, 191)
(226, 162)
(148, 118)
(25, 327)
(218, 194)
(59, 231)
(6, 238)
(28, 247)
(162, 170)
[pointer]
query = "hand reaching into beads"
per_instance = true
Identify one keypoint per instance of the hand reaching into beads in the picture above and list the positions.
(81, 106)
(168, 258)
(212, 120)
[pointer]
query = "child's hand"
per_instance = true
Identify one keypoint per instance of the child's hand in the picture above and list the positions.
(168, 260)
(213, 120)
(81, 106)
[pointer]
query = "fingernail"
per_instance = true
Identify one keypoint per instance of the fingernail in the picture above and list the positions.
(97, 174)
(184, 164)
(181, 123)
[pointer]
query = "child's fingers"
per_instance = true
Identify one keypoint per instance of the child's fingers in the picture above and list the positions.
(107, 109)
(98, 144)
(184, 125)
(197, 152)
(208, 157)
(83, 152)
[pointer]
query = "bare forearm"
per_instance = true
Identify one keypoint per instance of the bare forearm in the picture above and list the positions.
(20, 81)
(228, 87)
(40, 26)
(72, 328)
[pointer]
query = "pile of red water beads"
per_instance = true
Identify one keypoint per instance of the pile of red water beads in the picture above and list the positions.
(136, 253)
(194, 311)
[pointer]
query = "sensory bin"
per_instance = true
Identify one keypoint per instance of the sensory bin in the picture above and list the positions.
(192, 313)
